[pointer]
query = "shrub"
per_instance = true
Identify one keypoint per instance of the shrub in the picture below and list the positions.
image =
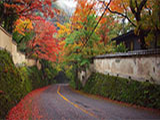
(16, 82)
(70, 74)
(12, 85)
(121, 89)
(120, 48)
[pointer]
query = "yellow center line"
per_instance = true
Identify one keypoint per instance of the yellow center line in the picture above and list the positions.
(75, 105)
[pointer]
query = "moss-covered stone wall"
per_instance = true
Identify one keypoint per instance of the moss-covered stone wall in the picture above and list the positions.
(126, 90)
(16, 82)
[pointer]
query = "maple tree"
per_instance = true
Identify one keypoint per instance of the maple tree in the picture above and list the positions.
(23, 25)
(44, 44)
(64, 30)
(107, 28)
(81, 40)
(23, 32)
(82, 23)
(11, 10)
(27, 11)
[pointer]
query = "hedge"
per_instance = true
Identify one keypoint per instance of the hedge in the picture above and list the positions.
(120, 89)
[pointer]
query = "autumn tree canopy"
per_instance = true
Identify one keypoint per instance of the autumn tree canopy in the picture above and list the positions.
(10, 10)
(44, 44)
(94, 25)
(143, 15)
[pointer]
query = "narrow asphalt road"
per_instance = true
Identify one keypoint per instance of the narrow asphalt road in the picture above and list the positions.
(59, 102)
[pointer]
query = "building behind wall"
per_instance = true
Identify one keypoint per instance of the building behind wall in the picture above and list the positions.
(132, 41)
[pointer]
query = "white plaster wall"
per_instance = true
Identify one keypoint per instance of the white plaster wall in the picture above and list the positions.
(139, 68)
(31, 62)
(5, 40)
(7, 43)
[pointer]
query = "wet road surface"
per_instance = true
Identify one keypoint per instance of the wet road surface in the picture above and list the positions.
(59, 102)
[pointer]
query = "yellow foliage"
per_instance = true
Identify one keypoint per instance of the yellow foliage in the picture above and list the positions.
(23, 25)
(80, 15)
(64, 30)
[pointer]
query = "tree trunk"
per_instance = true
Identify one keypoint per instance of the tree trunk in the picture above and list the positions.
(142, 42)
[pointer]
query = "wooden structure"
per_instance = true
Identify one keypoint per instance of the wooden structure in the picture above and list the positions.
(130, 40)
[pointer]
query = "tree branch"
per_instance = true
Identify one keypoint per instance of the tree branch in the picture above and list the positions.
(118, 13)
(136, 4)
(132, 8)
(96, 25)
(142, 4)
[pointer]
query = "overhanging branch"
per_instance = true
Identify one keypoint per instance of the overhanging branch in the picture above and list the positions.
(106, 7)
(125, 16)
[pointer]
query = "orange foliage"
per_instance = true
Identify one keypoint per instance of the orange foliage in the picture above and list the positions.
(23, 25)
(118, 5)
(44, 45)
(27, 8)
(83, 9)
(106, 25)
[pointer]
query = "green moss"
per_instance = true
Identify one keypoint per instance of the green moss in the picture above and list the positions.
(10, 83)
(130, 91)
(16, 82)
(26, 81)
(72, 84)
(35, 76)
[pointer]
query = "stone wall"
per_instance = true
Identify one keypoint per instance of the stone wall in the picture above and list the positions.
(138, 65)
(5, 40)
(7, 43)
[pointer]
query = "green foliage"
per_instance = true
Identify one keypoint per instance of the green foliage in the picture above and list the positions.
(13, 85)
(36, 77)
(120, 48)
(70, 73)
(84, 62)
(130, 91)
(8, 16)
(80, 46)
(48, 71)
(22, 40)
(80, 51)
(16, 82)
(26, 81)
(75, 85)
(152, 23)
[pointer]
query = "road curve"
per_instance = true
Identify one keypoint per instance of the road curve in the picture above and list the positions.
(59, 102)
